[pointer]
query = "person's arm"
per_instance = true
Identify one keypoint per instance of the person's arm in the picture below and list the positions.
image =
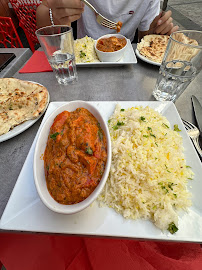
(160, 25)
(64, 12)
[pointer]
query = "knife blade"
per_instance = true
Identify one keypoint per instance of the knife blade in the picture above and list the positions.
(164, 5)
(198, 112)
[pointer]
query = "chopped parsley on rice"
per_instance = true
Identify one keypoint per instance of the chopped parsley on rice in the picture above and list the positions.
(84, 50)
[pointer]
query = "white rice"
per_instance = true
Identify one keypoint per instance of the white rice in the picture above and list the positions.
(148, 175)
(84, 50)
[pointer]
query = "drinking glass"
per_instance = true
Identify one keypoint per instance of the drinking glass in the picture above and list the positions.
(181, 63)
(58, 44)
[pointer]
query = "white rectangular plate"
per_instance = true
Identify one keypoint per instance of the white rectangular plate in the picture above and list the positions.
(26, 212)
(128, 58)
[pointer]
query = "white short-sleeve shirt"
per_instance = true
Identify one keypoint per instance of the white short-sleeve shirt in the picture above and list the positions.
(135, 14)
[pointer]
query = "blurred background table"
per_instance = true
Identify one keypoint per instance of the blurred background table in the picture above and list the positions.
(117, 83)
(22, 55)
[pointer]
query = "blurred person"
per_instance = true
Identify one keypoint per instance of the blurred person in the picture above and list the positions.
(143, 15)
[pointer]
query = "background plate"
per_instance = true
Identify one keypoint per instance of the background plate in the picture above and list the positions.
(127, 59)
(22, 127)
(143, 58)
(26, 212)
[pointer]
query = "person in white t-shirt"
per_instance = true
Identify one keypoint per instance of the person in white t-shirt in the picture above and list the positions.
(143, 15)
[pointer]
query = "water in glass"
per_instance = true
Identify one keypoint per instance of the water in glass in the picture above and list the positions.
(64, 66)
(174, 77)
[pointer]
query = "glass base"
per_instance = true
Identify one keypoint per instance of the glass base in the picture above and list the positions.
(67, 81)
(163, 96)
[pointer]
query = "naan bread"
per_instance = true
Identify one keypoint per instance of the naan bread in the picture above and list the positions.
(153, 47)
(20, 101)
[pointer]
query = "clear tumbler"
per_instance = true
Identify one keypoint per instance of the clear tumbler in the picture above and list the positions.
(181, 63)
(58, 44)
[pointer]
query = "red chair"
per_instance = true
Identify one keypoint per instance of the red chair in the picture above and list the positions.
(26, 13)
(9, 34)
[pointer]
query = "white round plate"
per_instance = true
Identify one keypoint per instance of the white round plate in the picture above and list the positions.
(25, 125)
(143, 58)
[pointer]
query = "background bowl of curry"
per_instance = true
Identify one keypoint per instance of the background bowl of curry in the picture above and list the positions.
(38, 166)
(108, 56)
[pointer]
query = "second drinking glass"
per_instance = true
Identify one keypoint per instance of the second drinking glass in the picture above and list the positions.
(58, 44)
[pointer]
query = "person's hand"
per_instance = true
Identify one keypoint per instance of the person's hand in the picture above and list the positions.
(65, 11)
(163, 25)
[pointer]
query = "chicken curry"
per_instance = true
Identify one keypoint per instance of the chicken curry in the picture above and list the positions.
(75, 156)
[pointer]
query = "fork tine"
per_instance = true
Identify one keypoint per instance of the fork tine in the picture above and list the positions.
(100, 18)
(108, 21)
(108, 25)
(189, 124)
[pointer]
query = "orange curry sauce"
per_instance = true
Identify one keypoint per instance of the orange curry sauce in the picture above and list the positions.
(75, 156)
(111, 44)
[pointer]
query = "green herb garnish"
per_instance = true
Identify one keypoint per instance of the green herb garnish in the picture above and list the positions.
(109, 121)
(142, 118)
(100, 134)
(165, 125)
(170, 185)
(115, 127)
(82, 54)
(152, 135)
(146, 136)
(89, 151)
(122, 110)
(176, 128)
(164, 188)
(149, 128)
(120, 123)
(54, 135)
(172, 228)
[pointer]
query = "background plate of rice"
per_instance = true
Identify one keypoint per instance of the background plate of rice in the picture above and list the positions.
(105, 221)
(86, 56)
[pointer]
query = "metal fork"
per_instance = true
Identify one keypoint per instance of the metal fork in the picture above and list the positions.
(101, 19)
(193, 133)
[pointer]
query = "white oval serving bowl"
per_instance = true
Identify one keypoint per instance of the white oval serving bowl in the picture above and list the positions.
(38, 166)
(110, 56)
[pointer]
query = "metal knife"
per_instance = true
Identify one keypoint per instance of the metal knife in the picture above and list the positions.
(164, 6)
(198, 112)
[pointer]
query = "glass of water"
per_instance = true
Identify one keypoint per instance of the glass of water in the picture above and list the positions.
(58, 44)
(181, 63)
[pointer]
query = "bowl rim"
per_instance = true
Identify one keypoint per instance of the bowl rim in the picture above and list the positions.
(74, 208)
(107, 36)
